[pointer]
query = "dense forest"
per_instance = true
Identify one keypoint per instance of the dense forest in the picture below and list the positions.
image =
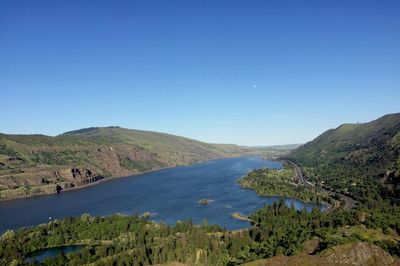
(132, 240)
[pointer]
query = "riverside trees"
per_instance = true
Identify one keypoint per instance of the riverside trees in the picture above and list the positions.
(132, 240)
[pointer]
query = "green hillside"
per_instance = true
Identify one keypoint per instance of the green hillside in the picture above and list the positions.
(360, 159)
(38, 164)
(354, 157)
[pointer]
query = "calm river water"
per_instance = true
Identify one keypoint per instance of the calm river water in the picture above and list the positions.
(170, 194)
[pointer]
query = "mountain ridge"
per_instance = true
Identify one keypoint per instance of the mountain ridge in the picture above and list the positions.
(344, 157)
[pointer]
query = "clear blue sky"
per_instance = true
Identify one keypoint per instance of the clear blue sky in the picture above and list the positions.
(244, 72)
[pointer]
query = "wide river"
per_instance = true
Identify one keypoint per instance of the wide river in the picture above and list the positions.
(171, 194)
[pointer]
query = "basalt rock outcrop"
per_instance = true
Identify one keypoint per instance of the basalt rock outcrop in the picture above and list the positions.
(36, 181)
(84, 176)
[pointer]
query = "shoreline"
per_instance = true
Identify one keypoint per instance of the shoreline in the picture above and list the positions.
(328, 206)
(101, 181)
(106, 179)
(240, 217)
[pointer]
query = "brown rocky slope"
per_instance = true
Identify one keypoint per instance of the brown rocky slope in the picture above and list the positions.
(356, 254)
(37, 164)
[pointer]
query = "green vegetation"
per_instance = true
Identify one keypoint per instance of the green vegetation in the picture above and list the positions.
(277, 230)
(282, 182)
(360, 159)
(38, 160)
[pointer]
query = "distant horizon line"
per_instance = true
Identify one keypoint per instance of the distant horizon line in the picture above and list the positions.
(194, 138)
(152, 131)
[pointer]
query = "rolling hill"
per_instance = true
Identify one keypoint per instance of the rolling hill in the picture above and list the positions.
(39, 164)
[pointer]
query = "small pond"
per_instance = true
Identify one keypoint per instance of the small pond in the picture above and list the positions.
(41, 255)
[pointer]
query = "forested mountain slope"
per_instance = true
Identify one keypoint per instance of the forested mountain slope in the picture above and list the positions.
(354, 157)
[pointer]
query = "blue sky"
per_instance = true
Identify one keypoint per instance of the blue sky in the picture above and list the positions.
(244, 72)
